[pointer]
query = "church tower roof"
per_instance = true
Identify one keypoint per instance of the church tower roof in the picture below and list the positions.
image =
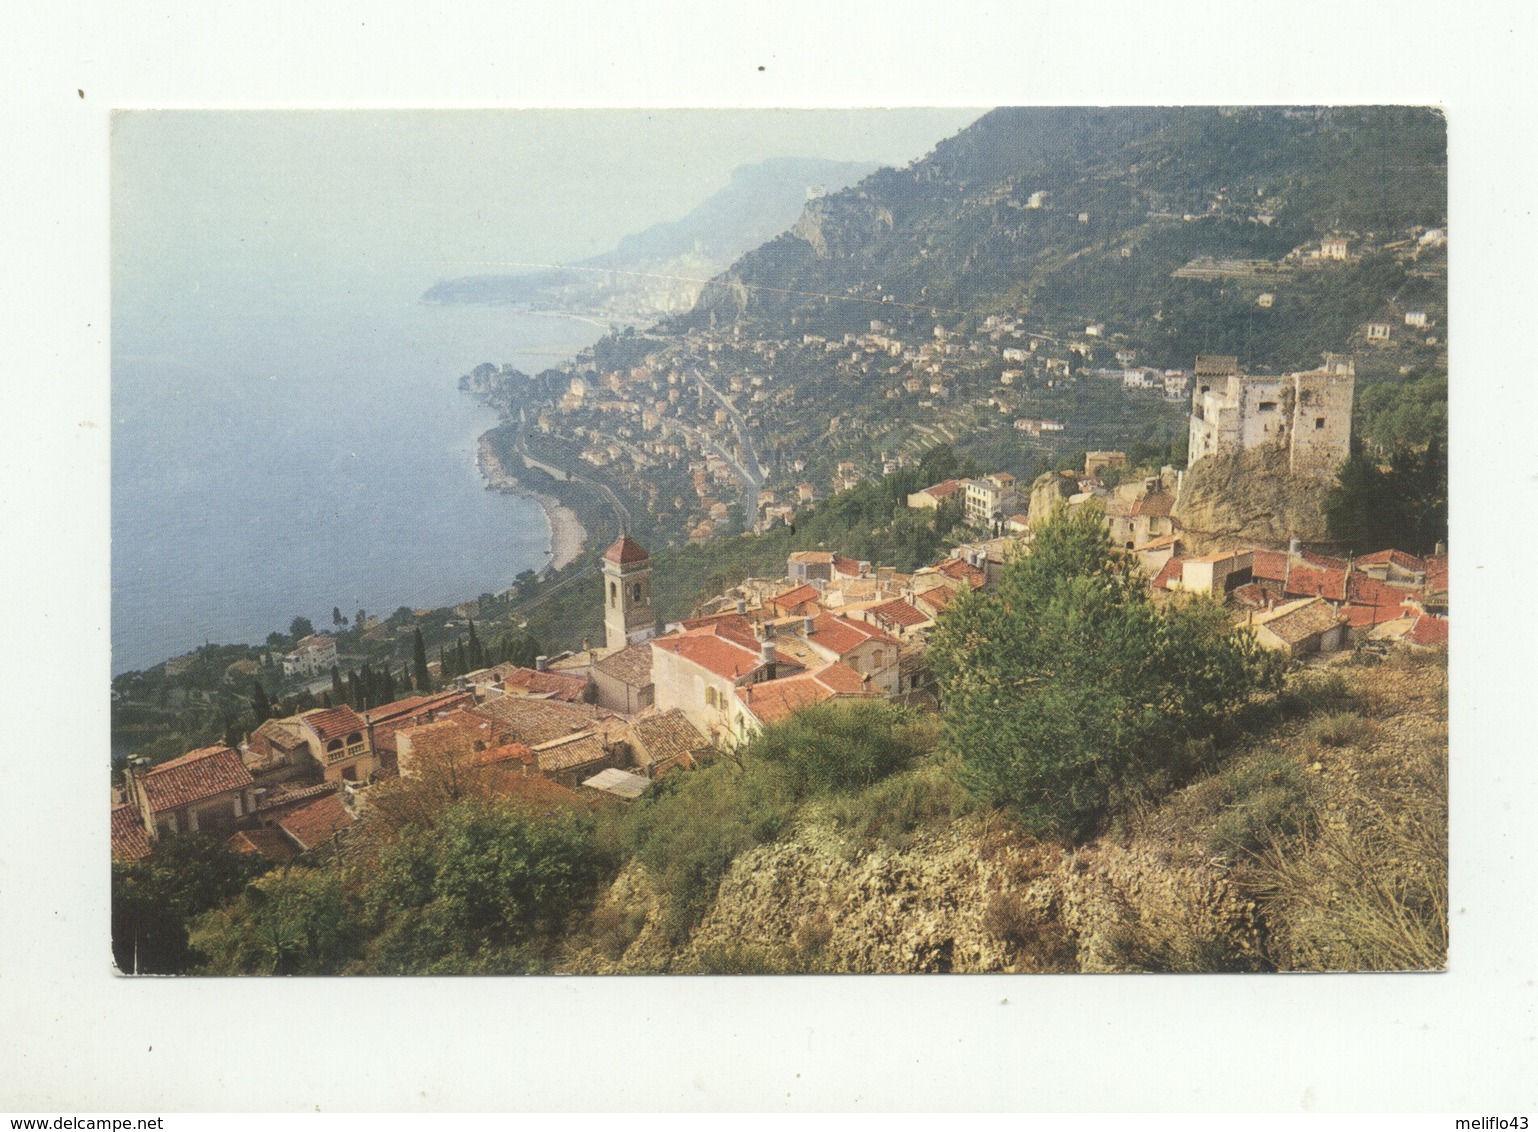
(625, 551)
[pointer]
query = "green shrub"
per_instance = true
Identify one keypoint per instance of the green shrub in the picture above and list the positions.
(893, 809)
(1262, 798)
(842, 745)
(1339, 729)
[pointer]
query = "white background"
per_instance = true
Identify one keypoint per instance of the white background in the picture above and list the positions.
(75, 1038)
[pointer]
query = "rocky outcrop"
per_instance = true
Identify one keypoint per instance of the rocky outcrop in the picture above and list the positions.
(973, 898)
(1233, 499)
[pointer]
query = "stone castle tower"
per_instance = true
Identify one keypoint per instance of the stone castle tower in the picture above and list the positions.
(1307, 414)
(628, 616)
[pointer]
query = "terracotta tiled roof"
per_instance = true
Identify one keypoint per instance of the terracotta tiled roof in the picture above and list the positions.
(1364, 616)
(1160, 543)
(333, 723)
(1428, 630)
(554, 685)
(281, 733)
(1271, 564)
(414, 705)
(713, 653)
(569, 752)
(1323, 561)
(1392, 557)
(937, 598)
(962, 572)
(520, 719)
(1173, 570)
(812, 557)
(538, 793)
(775, 700)
(285, 798)
(800, 595)
(199, 774)
(624, 551)
(632, 665)
(267, 843)
(1156, 503)
(496, 756)
(842, 636)
(943, 490)
(314, 824)
(901, 613)
(849, 567)
(130, 840)
(667, 735)
(1298, 621)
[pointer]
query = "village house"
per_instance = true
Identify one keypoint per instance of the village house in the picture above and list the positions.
(661, 741)
(207, 790)
(993, 495)
(932, 497)
(623, 679)
(314, 655)
(1301, 628)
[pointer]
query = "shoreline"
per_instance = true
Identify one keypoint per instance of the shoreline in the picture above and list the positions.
(568, 536)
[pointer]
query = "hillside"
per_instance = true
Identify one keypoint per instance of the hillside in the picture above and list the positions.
(1081, 215)
(1320, 845)
(659, 270)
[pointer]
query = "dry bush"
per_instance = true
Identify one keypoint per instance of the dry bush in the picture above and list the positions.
(1042, 944)
(1340, 729)
(812, 935)
(613, 928)
(1372, 897)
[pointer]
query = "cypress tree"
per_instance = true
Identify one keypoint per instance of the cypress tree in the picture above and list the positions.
(261, 706)
(419, 662)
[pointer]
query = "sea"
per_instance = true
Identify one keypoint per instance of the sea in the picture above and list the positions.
(285, 444)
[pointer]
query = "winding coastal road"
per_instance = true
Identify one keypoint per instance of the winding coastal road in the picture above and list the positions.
(752, 480)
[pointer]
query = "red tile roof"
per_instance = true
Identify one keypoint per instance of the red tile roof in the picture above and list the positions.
(943, 490)
(130, 840)
(715, 653)
(899, 612)
(800, 595)
(315, 823)
(937, 598)
(1392, 557)
(199, 774)
(1172, 572)
(1271, 564)
(1365, 616)
(963, 572)
(555, 685)
(840, 635)
(849, 567)
(1428, 630)
(625, 551)
(775, 700)
(1157, 503)
(1323, 561)
(267, 843)
(332, 723)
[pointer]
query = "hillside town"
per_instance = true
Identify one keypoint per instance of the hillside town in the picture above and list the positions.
(598, 725)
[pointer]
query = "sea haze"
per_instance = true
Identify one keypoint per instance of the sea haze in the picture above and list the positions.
(285, 447)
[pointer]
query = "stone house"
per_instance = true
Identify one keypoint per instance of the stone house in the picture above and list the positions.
(208, 790)
(623, 679)
(1300, 628)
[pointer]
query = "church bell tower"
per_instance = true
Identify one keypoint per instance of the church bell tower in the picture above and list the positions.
(627, 594)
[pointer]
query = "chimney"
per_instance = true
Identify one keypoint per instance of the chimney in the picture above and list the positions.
(541, 664)
(742, 607)
(809, 625)
(766, 657)
(1440, 549)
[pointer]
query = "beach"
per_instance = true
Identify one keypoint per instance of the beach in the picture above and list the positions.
(567, 534)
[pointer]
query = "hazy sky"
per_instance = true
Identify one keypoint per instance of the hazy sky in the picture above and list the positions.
(196, 192)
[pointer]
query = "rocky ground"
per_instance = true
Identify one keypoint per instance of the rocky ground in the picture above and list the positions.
(1346, 790)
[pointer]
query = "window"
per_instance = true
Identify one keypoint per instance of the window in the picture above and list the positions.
(613, 594)
(1268, 406)
(1318, 424)
(635, 592)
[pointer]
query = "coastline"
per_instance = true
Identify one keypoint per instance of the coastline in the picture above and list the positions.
(568, 536)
